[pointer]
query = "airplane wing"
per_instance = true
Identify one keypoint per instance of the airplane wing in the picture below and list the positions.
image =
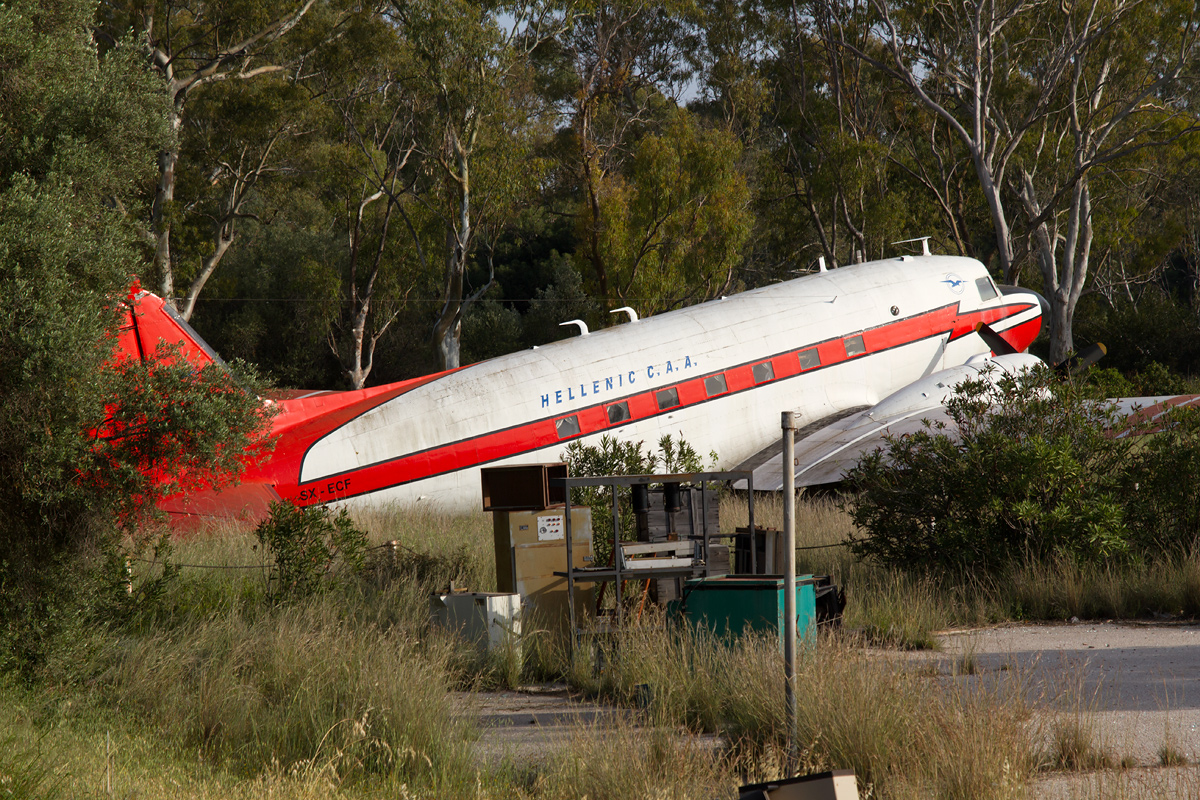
(825, 456)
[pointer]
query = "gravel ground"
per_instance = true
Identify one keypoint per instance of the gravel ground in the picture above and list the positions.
(1136, 686)
(528, 726)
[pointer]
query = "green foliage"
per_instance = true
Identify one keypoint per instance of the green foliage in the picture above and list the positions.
(1156, 330)
(84, 443)
(1154, 379)
(610, 457)
(313, 549)
(176, 429)
(1162, 486)
(1032, 474)
(679, 456)
(671, 228)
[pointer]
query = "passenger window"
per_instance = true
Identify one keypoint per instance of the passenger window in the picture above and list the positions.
(810, 358)
(763, 372)
(567, 426)
(618, 412)
(986, 290)
(855, 346)
(715, 384)
(667, 398)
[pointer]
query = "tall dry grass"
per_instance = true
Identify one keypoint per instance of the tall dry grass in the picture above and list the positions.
(304, 686)
(627, 760)
(902, 733)
(890, 608)
(906, 610)
(357, 684)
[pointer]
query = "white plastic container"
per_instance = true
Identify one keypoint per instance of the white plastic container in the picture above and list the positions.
(490, 619)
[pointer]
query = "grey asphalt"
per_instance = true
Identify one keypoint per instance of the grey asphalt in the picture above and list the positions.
(1138, 685)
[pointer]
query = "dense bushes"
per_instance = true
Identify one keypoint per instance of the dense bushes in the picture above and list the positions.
(1029, 468)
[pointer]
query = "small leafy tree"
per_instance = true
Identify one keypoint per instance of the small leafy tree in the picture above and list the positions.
(1032, 472)
(313, 549)
(1161, 487)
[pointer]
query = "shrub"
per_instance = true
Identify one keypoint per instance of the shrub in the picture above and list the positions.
(1162, 485)
(614, 457)
(1032, 472)
(312, 548)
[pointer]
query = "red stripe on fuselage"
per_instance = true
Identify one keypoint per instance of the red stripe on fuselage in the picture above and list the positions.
(538, 434)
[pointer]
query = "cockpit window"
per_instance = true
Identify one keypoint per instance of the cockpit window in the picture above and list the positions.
(986, 290)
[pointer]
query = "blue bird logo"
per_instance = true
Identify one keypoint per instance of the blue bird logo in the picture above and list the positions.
(955, 283)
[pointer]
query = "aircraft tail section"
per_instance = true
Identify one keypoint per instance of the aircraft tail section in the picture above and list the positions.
(148, 322)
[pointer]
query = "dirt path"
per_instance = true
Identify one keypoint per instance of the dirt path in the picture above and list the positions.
(528, 726)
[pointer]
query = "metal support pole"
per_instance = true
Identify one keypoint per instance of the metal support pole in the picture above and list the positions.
(570, 566)
(789, 585)
(616, 521)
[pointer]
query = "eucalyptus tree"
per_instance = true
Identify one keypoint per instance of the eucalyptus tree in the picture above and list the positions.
(676, 218)
(630, 63)
(200, 48)
(368, 172)
(472, 64)
(829, 149)
(1043, 97)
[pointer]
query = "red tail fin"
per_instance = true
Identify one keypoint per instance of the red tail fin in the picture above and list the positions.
(149, 321)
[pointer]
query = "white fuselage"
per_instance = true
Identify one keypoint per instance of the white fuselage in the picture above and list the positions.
(898, 304)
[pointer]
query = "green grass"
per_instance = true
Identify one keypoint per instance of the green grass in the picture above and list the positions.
(216, 692)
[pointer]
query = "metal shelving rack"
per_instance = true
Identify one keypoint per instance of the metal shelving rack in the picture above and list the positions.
(615, 572)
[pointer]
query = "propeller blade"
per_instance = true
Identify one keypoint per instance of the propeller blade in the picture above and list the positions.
(998, 343)
(1083, 359)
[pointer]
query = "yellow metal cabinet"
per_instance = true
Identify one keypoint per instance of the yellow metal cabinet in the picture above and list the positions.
(530, 548)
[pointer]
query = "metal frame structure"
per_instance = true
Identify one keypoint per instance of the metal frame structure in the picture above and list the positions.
(616, 573)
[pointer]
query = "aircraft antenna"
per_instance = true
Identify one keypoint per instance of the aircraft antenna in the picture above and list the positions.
(633, 317)
(924, 240)
(821, 264)
(583, 328)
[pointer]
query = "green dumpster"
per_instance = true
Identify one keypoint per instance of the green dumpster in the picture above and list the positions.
(732, 605)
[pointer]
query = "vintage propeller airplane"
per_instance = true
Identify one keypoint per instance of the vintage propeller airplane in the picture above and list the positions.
(718, 374)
